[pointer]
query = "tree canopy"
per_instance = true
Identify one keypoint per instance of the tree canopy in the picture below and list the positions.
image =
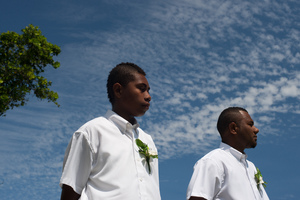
(23, 58)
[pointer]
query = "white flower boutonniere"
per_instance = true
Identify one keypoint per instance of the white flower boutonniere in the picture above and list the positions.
(259, 179)
(148, 153)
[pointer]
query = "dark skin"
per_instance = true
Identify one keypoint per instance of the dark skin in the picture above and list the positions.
(132, 100)
(239, 136)
(243, 135)
(68, 193)
(197, 198)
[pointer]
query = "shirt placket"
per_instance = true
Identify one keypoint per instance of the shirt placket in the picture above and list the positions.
(254, 189)
(139, 166)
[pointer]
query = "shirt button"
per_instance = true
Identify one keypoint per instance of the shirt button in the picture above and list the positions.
(141, 180)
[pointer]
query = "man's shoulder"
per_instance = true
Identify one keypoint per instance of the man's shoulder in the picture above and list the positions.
(214, 153)
(96, 120)
(211, 160)
(216, 156)
(96, 123)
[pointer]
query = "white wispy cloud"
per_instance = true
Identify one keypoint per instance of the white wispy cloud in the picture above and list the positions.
(200, 57)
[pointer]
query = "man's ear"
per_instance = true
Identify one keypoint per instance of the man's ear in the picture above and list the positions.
(233, 128)
(117, 88)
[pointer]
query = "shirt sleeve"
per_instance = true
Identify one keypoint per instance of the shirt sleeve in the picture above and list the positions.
(206, 180)
(77, 162)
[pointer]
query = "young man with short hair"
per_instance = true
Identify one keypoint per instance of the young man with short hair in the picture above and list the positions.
(225, 173)
(102, 160)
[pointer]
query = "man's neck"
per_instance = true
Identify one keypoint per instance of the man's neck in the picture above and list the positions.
(235, 146)
(130, 119)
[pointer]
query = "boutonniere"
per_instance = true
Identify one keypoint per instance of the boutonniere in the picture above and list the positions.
(259, 179)
(148, 153)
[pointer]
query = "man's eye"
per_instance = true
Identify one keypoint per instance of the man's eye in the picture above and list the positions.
(142, 89)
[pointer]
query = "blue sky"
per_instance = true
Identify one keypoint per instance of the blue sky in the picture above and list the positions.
(200, 57)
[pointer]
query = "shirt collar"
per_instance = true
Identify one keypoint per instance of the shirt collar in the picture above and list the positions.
(238, 155)
(123, 125)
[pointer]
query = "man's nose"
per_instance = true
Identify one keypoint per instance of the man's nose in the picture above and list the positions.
(256, 130)
(148, 97)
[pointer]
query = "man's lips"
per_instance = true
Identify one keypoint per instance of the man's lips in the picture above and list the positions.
(146, 105)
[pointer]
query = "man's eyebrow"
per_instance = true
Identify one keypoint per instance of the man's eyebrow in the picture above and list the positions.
(144, 85)
(141, 84)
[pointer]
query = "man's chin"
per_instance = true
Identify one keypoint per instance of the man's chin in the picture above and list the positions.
(251, 146)
(141, 113)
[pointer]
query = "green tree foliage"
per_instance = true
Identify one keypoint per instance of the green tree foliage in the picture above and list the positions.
(23, 58)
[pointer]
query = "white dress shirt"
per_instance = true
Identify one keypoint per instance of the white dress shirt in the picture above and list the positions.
(226, 174)
(102, 161)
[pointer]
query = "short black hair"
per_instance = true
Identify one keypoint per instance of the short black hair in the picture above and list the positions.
(231, 114)
(123, 74)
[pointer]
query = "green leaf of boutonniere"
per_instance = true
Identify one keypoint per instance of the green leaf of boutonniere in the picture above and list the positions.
(144, 150)
(259, 179)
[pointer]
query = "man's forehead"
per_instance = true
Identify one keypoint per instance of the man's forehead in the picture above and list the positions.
(246, 115)
(140, 78)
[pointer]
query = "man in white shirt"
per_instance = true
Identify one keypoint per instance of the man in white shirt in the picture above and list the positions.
(225, 173)
(103, 160)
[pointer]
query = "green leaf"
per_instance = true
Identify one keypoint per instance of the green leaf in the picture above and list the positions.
(144, 150)
(23, 57)
(139, 143)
